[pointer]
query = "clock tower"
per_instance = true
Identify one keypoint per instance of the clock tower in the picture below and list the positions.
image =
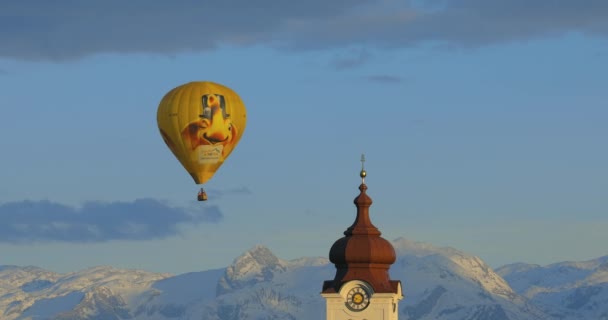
(362, 288)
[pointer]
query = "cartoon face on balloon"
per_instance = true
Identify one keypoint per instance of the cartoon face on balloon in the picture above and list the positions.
(214, 127)
(201, 122)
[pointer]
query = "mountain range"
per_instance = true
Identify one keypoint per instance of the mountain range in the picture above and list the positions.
(438, 283)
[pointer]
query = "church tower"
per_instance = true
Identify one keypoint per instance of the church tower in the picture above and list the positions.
(362, 288)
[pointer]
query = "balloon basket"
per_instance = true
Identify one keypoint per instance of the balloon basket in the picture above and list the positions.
(202, 195)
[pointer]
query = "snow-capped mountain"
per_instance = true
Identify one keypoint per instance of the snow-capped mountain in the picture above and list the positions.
(254, 266)
(570, 290)
(96, 293)
(444, 283)
(438, 283)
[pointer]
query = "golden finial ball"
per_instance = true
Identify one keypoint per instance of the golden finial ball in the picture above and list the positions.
(363, 174)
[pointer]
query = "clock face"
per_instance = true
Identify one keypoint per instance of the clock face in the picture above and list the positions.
(357, 299)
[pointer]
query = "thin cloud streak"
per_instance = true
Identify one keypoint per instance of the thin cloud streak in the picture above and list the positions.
(144, 219)
(352, 59)
(65, 30)
(384, 78)
(218, 193)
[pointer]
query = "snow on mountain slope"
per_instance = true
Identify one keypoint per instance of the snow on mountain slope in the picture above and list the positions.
(467, 266)
(438, 283)
(526, 277)
(444, 283)
(256, 265)
(17, 284)
(571, 290)
(292, 293)
(36, 294)
(178, 297)
(106, 293)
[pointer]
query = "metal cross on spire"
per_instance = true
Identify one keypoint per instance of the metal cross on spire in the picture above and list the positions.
(363, 173)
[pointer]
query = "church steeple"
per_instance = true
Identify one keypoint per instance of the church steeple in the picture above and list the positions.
(362, 253)
(362, 259)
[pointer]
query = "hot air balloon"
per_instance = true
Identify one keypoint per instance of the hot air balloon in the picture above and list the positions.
(201, 123)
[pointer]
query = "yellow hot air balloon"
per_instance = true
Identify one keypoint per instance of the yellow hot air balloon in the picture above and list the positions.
(201, 123)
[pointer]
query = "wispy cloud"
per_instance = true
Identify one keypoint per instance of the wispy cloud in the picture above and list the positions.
(143, 219)
(384, 78)
(218, 193)
(351, 59)
(40, 29)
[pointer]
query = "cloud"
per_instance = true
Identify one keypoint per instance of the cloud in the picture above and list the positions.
(61, 30)
(351, 59)
(218, 193)
(384, 78)
(143, 219)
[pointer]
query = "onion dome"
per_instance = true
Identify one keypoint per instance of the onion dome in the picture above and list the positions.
(362, 254)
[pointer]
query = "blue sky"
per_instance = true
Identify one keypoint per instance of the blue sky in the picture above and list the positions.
(483, 122)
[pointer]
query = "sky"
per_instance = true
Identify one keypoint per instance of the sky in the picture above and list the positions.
(484, 125)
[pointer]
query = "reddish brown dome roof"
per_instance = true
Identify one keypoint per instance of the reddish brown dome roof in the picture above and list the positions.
(362, 254)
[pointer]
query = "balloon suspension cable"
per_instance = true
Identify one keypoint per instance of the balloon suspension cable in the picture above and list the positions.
(363, 173)
(202, 195)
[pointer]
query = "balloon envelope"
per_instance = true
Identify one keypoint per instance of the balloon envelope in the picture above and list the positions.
(201, 123)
